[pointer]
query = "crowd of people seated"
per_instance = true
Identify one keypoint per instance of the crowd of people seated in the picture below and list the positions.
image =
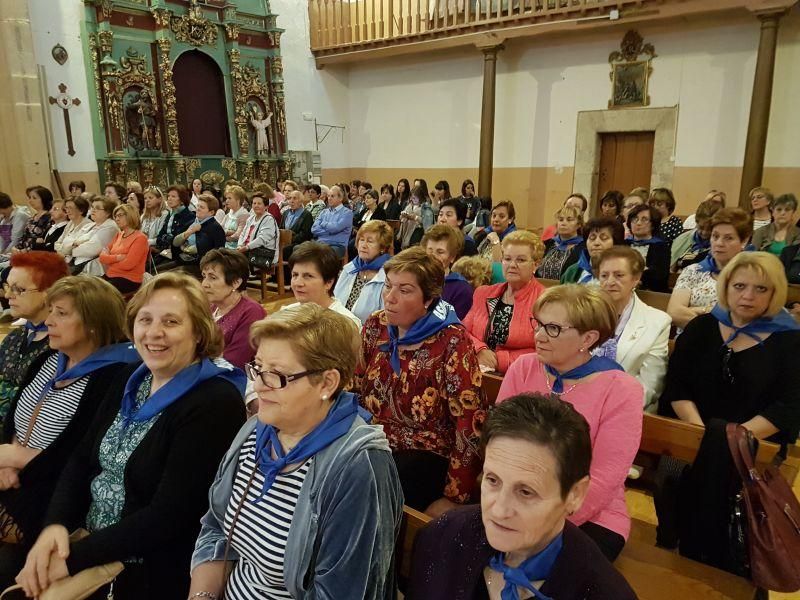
(124, 382)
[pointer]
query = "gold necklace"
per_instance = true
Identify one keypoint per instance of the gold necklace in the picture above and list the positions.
(550, 387)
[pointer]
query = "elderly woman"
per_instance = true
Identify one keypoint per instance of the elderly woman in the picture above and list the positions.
(600, 235)
(476, 270)
(125, 258)
(663, 200)
(631, 201)
(761, 199)
(235, 198)
(641, 340)
(360, 284)
(420, 378)
(565, 248)
(445, 244)
(58, 222)
(611, 204)
(695, 291)
(411, 228)
(178, 220)
(55, 406)
(89, 246)
(500, 225)
(571, 321)
(31, 275)
(644, 223)
(297, 494)
(314, 267)
(782, 231)
(76, 208)
(225, 274)
(154, 214)
(740, 362)
(519, 541)
(694, 245)
(260, 233)
(139, 477)
(499, 322)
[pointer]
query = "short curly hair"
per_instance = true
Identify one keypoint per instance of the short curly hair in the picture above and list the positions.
(379, 228)
(428, 271)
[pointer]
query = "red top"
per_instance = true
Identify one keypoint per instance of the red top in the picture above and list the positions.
(126, 256)
(549, 232)
(434, 404)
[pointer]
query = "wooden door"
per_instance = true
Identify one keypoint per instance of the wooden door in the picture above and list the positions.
(626, 162)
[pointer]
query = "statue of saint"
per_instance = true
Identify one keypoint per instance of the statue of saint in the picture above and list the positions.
(146, 117)
(260, 125)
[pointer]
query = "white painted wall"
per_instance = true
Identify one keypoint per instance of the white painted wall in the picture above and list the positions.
(59, 23)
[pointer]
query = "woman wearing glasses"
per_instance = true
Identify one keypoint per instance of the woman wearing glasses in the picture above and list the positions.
(644, 223)
(499, 320)
(571, 321)
(138, 480)
(565, 248)
(299, 475)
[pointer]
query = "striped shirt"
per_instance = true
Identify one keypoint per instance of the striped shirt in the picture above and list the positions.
(58, 406)
(262, 528)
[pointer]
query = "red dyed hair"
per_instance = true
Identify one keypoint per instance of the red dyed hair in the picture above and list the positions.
(45, 267)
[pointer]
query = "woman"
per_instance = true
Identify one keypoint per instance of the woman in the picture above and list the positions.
(641, 340)
(76, 208)
(739, 363)
(197, 189)
(342, 473)
(125, 258)
(565, 248)
(695, 290)
(536, 466)
(663, 201)
(411, 218)
(12, 224)
(388, 203)
(600, 235)
(89, 246)
(201, 236)
(611, 204)
(420, 378)
(761, 199)
(371, 210)
(234, 224)
(314, 269)
(571, 321)
(58, 221)
(31, 275)
(631, 201)
(441, 192)
(644, 223)
(136, 199)
(179, 219)
(576, 201)
(715, 196)
(782, 231)
(139, 477)
(445, 244)
(225, 274)
(403, 191)
(154, 215)
(360, 284)
(499, 322)
(476, 270)
(260, 230)
(55, 406)
(693, 246)
(40, 201)
(500, 225)
(471, 203)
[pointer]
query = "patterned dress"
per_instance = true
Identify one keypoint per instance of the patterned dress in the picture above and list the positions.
(16, 356)
(434, 404)
(670, 229)
(35, 229)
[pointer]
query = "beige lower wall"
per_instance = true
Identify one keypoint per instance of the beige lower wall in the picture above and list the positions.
(90, 178)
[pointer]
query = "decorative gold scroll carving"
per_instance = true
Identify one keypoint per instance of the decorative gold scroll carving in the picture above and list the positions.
(193, 28)
(108, 171)
(106, 39)
(232, 31)
(106, 8)
(629, 75)
(246, 82)
(168, 92)
(192, 165)
(249, 175)
(212, 178)
(92, 41)
(162, 17)
(134, 72)
(148, 170)
(122, 170)
(230, 166)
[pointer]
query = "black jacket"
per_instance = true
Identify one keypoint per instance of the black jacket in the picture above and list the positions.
(301, 228)
(656, 271)
(180, 223)
(210, 236)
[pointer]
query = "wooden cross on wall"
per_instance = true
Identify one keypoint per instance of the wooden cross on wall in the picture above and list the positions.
(65, 102)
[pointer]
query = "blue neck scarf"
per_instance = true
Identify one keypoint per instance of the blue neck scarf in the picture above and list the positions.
(374, 265)
(535, 568)
(337, 423)
(453, 276)
(783, 321)
(699, 243)
(585, 264)
(708, 265)
(439, 316)
(33, 330)
(563, 245)
(186, 380)
(596, 364)
(647, 242)
(512, 227)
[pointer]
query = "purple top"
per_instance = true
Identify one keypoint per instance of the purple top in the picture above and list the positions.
(235, 326)
(458, 294)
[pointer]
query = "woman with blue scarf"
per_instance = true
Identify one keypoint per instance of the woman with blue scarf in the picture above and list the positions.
(138, 480)
(306, 503)
(360, 283)
(600, 234)
(445, 244)
(501, 223)
(570, 322)
(510, 546)
(741, 362)
(55, 405)
(565, 248)
(644, 223)
(694, 245)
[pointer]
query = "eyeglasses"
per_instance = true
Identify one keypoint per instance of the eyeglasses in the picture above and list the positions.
(15, 290)
(552, 330)
(641, 220)
(272, 379)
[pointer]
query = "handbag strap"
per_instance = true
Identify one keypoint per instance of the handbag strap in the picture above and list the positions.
(233, 524)
(739, 439)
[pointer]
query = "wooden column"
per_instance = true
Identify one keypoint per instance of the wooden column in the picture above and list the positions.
(486, 161)
(753, 167)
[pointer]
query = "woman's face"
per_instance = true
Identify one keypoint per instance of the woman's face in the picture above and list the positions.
(725, 243)
(500, 219)
(631, 202)
(759, 201)
(661, 207)
(24, 298)
(214, 284)
(469, 190)
(309, 286)
(65, 329)
(151, 201)
(369, 247)
(362, 191)
(257, 204)
(565, 347)
(35, 201)
(197, 186)
(403, 301)
(58, 212)
(121, 219)
(438, 194)
(783, 215)
(608, 208)
(748, 294)
(202, 210)
(134, 201)
(163, 333)
(642, 226)
(599, 240)
(448, 216)
(232, 202)
(567, 226)
(385, 196)
(173, 199)
(521, 503)
(401, 187)
(617, 279)
(72, 212)
(111, 192)
(370, 202)
(99, 214)
(704, 228)
(518, 264)
(438, 249)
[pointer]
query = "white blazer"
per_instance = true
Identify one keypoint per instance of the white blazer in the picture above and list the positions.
(643, 349)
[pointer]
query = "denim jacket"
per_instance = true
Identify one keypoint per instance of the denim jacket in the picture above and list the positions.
(369, 300)
(342, 537)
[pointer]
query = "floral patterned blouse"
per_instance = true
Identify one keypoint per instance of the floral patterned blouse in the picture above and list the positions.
(434, 404)
(35, 229)
(16, 356)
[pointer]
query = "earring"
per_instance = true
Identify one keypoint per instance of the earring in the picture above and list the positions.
(324, 397)
(583, 349)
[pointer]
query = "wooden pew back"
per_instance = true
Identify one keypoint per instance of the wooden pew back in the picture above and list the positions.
(657, 300)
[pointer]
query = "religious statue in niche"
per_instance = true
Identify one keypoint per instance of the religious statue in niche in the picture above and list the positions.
(140, 120)
(629, 75)
(260, 125)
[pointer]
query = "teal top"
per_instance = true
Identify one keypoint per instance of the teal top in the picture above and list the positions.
(776, 248)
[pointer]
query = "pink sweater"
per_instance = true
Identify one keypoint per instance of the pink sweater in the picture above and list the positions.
(611, 402)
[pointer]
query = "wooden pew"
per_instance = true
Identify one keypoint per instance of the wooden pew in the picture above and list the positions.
(277, 271)
(657, 300)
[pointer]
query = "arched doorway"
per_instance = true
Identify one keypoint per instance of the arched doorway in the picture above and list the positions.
(200, 104)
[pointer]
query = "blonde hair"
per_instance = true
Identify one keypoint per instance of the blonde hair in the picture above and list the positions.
(321, 338)
(160, 208)
(428, 271)
(98, 303)
(588, 309)
(522, 237)
(762, 190)
(382, 229)
(766, 266)
(570, 211)
(476, 270)
(210, 342)
(131, 214)
(238, 193)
